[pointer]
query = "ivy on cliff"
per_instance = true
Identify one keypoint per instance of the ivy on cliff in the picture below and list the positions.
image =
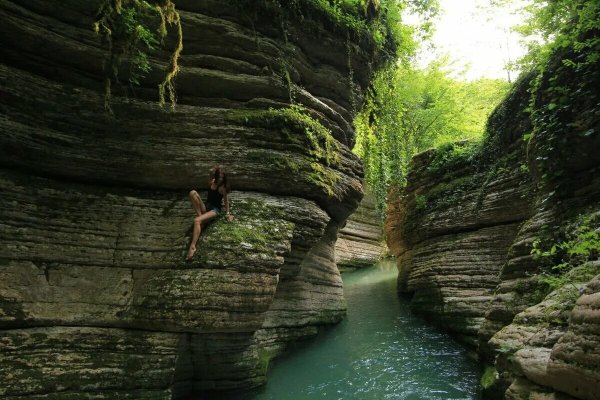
(409, 110)
(374, 22)
(565, 103)
(124, 27)
(298, 128)
(568, 258)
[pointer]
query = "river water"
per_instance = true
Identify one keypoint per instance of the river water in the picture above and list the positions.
(380, 351)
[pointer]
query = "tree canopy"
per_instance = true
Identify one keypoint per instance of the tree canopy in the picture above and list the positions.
(553, 24)
(410, 109)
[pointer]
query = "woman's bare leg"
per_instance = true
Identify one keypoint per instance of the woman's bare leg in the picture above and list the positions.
(207, 216)
(197, 203)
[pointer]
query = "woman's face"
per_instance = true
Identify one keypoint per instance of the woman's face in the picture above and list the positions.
(219, 176)
(216, 176)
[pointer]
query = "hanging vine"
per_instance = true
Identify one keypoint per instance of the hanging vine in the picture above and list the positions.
(124, 27)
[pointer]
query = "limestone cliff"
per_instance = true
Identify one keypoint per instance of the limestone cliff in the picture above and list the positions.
(96, 300)
(360, 243)
(485, 238)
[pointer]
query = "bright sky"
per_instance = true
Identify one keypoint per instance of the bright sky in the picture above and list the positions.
(476, 36)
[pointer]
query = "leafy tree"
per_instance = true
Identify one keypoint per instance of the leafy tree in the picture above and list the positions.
(554, 24)
(410, 110)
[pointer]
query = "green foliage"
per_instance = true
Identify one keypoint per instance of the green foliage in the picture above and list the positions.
(560, 292)
(302, 130)
(140, 40)
(563, 37)
(489, 377)
(373, 21)
(124, 26)
(452, 156)
(580, 243)
(410, 110)
(420, 202)
(564, 41)
(565, 105)
(552, 25)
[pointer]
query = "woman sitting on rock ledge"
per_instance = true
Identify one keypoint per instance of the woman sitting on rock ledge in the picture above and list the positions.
(218, 187)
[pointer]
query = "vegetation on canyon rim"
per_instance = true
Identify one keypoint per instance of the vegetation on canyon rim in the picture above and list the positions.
(409, 110)
(374, 21)
(134, 29)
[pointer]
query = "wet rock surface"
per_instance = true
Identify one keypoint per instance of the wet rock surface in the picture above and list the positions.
(360, 242)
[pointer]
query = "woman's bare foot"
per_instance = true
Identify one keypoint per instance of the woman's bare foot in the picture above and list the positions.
(191, 253)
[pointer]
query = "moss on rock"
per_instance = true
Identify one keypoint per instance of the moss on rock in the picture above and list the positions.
(258, 230)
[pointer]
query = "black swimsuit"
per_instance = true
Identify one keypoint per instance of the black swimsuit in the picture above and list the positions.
(214, 200)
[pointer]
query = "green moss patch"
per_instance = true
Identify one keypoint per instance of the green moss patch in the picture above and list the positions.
(324, 178)
(301, 132)
(258, 230)
(489, 377)
(453, 156)
(296, 127)
(278, 161)
(347, 18)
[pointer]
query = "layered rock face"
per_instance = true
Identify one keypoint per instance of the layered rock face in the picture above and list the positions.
(360, 243)
(96, 299)
(451, 237)
(487, 238)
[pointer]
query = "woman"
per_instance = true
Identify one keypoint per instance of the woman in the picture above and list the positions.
(218, 187)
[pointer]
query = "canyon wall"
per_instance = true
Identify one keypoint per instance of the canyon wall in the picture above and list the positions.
(96, 298)
(360, 242)
(498, 242)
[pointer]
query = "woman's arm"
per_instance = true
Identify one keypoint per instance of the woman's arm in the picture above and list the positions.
(226, 202)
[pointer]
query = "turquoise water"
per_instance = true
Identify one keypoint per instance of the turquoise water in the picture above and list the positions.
(380, 351)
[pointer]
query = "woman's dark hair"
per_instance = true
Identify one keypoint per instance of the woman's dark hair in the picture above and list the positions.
(218, 174)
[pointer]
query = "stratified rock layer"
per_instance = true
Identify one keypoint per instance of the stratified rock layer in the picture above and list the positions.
(96, 300)
(465, 226)
(360, 243)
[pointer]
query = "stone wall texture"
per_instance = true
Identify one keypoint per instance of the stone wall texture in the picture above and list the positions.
(464, 228)
(96, 300)
(360, 242)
